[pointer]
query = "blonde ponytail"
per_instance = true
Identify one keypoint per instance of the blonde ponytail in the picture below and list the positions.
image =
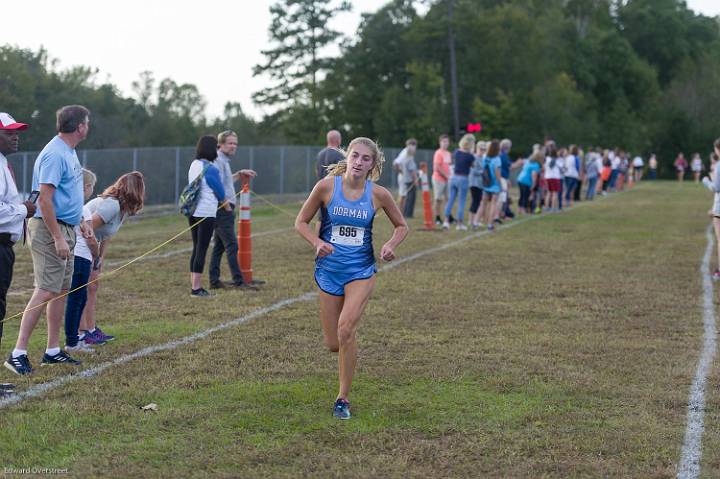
(374, 174)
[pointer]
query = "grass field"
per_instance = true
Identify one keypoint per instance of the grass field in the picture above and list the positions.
(561, 347)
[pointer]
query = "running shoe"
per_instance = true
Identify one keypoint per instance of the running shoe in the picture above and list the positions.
(461, 227)
(716, 275)
(80, 347)
(217, 285)
(101, 335)
(438, 220)
(258, 282)
(92, 338)
(7, 387)
(341, 409)
(451, 219)
(19, 365)
(446, 225)
(491, 227)
(59, 358)
(200, 293)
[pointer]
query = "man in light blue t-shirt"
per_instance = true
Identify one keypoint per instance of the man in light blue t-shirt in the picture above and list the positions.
(58, 177)
(58, 166)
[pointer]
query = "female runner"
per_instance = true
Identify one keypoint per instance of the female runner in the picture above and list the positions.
(345, 264)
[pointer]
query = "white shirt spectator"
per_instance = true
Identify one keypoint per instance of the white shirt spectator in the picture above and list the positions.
(570, 167)
(208, 203)
(638, 162)
(12, 211)
(552, 169)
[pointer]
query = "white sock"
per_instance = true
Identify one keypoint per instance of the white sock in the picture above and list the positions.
(92, 330)
(52, 351)
(18, 352)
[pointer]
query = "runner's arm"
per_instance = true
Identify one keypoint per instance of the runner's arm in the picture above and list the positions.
(308, 211)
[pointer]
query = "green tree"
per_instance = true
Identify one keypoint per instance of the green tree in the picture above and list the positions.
(666, 32)
(299, 32)
(358, 92)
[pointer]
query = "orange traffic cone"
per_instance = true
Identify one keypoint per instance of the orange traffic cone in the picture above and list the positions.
(427, 203)
(244, 254)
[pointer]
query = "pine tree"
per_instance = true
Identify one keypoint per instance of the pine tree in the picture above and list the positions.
(299, 31)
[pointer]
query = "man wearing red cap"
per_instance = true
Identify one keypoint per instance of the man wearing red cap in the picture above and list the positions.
(13, 212)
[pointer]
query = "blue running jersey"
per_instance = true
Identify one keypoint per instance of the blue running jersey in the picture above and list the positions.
(347, 225)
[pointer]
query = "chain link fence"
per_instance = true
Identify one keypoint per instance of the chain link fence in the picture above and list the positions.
(281, 170)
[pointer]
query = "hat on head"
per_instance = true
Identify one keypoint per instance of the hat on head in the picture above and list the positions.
(8, 123)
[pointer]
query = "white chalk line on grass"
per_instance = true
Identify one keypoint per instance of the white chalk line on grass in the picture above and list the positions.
(40, 389)
(176, 252)
(691, 455)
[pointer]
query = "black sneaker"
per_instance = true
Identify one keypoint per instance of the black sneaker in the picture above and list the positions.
(451, 220)
(19, 365)
(200, 293)
(59, 358)
(7, 387)
(245, 286)
(217, 285)
(257, 282)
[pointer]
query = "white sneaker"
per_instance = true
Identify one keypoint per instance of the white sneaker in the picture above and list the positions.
(82, 347)
(446, 225)
(461, 227)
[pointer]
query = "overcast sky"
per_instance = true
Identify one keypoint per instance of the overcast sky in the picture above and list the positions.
(210, 43)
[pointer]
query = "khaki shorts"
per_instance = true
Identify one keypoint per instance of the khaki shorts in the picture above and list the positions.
(440, 189)
(51, 272)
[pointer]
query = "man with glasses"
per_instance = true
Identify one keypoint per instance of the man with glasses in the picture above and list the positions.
(225, 236)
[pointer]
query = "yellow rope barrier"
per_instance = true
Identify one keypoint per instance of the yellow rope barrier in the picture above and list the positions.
(135, 260)
(116, 270)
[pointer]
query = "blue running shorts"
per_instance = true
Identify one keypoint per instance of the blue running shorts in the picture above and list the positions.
(333, 282)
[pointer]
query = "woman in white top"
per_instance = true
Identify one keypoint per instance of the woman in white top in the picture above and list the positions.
(696, 165)
(713, 184)
(203, 218)
(638, 165)
(572, 174)
(553, 178)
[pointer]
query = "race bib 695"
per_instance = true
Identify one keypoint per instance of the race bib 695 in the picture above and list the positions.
(347, 235)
